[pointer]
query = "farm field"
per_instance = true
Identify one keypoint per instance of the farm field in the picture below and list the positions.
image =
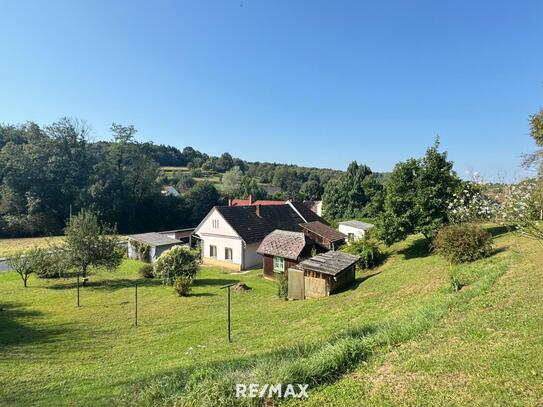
(53, 353)
(10, 246)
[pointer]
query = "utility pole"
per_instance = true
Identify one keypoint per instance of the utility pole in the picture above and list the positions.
(77, 290)
(228, 308)
(136, 302)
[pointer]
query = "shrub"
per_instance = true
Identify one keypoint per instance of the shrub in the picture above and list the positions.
(177, 261)
(462, 243)
(183, 285)
(54, 264)
(368, 250)
(147, 271)
(282, 288)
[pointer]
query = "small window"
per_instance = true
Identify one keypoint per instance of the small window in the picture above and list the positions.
(228, 254)
(213, 251)
(278, 264)
(215, 223)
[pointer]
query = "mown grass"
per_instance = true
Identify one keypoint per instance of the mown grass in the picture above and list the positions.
(488, 350)
(53, 353)
(316, 363)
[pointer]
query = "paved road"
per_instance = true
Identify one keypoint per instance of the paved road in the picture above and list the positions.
(4, 266)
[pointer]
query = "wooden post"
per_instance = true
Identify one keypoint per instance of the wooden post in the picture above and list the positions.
(136, 303)
(228, 309)
(78, 290)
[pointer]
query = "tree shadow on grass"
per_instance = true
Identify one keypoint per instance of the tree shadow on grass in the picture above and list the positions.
(418, 249)
(12, 332)
(106, 284)
(354, 285)
(201, 282)
(496, 231)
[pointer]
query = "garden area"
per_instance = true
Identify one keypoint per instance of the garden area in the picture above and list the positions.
(54, 352)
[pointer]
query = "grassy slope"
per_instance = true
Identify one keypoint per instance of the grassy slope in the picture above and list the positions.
(52, 352)
(488, 351)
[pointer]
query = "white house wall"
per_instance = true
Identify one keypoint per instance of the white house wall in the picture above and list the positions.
(234, 243)
(358, 233)
(252, 258)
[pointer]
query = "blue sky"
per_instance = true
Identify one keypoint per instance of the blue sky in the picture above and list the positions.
(317, 83)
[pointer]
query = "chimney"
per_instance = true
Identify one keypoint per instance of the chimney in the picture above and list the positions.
(250, 199)
(258, 210)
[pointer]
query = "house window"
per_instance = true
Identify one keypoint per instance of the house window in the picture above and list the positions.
(228, 254)
(213, 251)
(215, 223)
(278, 264)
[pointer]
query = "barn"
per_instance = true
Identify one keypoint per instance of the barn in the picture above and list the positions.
(321, 275)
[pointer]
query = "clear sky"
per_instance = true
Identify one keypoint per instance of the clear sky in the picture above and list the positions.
(317, 83)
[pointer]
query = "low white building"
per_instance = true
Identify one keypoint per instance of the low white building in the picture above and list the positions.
(231, 235)
(149, 246)
(354, 229)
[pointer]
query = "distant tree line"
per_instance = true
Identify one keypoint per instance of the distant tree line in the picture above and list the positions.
(48, 173)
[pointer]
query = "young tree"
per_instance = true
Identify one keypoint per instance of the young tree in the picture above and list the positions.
(91, 244)
(27, 263)
(417, 195)
(231, 181)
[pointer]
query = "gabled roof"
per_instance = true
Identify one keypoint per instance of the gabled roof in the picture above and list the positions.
(331, 263)
(283, 243)
(307, 213)
(357, 224)
(154, 239)
(325, 231)
(253, 227)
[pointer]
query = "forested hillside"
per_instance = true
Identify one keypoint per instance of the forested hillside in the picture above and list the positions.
(50, 172)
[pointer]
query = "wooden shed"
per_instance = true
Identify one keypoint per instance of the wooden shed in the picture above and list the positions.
(323, 235)
(282, 249)
(321, 275)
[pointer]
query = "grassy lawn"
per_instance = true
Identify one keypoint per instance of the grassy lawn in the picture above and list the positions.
(10, 246)
(53, 353)
(487, 351)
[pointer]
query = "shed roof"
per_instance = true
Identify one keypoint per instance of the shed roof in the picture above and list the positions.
(331, 263)
(357, 224)
(283, 243)
(324, 231)
(154, 239)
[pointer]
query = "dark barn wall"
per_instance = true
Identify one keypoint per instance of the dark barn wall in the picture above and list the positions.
(268, 265)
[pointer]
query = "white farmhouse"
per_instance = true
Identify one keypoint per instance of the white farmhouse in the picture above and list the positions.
(354, 229)
(231, 235)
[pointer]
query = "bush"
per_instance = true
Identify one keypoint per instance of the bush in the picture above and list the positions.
(177, 261)
(54, 264)
(183, 285)
(460, 243)
(147, 271)
(368, 250)
(282, 288)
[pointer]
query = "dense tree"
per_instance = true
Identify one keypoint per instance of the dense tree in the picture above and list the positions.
(311, 190)
(200, 199)
(91, 244)
(176, 262)
(417, 195)
(352, 193)
(231, 181)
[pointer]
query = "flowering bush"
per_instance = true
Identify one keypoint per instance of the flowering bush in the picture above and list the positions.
(472, 205)
(177, 261)
(523, 206)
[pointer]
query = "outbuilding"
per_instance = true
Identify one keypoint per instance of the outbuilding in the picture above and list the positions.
(321, 275)
(282, 249)
(354, 229)
(149, 246)
(323, 235)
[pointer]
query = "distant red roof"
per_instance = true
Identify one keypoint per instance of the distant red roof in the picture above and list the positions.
(249, 202)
